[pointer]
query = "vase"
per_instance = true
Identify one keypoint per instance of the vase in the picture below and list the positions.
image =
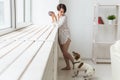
(110, 22)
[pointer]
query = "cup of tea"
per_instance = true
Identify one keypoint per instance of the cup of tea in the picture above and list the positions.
(50, 13)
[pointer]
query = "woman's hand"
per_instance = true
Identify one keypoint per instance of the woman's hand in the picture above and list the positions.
(54, 18)
(53, 15)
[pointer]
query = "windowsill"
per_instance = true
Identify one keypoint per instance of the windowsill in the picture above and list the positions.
(19, 26)
(8, 30)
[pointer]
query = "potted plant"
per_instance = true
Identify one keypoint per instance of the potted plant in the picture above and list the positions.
(111, 18)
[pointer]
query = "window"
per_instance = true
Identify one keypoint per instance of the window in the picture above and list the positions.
(14, 14)
(23, 12)
(19, 11)
(5, 14)
(28, 11)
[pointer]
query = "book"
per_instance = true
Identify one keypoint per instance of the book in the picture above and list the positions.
(100, 20)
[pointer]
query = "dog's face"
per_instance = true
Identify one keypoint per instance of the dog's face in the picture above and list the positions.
(76, 56)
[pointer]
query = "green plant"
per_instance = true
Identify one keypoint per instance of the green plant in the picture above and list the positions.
(111, 17)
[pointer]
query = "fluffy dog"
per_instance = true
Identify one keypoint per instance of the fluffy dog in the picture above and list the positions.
(79, 65)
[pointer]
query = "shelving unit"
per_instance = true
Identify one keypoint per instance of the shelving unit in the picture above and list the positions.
(104, 34)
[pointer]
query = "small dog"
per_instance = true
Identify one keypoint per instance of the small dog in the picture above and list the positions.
(79, 65)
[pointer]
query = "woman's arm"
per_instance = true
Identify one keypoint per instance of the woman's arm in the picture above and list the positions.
(61, 21)
(54, 18)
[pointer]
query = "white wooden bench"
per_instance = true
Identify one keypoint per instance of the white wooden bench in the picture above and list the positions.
(29, 54)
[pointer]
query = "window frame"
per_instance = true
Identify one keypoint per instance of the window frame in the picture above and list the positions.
(14, 26)
(24, 24)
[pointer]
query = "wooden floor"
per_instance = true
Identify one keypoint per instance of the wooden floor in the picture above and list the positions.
(103, 71)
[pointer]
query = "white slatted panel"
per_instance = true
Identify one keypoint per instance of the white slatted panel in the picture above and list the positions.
(46, 34)
(5, 43)
(38, 65)
(6, 61)
(26, 53)
(29, 35)
(39, 34)
(17, 68)
(24, 34)
(53, 34)
(6, 50)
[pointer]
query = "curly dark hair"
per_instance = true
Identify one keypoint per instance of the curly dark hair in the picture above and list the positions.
(61, 6)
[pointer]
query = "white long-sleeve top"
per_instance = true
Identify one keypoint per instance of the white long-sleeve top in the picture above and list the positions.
(64, 32)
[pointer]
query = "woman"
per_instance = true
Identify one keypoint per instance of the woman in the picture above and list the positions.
(64, 34)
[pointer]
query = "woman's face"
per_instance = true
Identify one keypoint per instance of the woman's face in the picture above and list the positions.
(61, 12)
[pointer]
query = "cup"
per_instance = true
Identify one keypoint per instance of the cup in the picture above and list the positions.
(50, 13)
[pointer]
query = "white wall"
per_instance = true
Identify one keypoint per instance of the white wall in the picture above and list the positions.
(40, 10)
(80, 20)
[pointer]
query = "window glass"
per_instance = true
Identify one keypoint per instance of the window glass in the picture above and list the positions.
(27, 10)
(5, 14)
(19, 11)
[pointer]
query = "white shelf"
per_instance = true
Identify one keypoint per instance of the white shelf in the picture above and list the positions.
(107, 4)
(105, 24)
(104, 42)
(104, 35)
(103, 61)
(96, 24)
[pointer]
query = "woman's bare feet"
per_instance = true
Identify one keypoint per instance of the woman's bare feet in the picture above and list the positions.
(66, 68)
